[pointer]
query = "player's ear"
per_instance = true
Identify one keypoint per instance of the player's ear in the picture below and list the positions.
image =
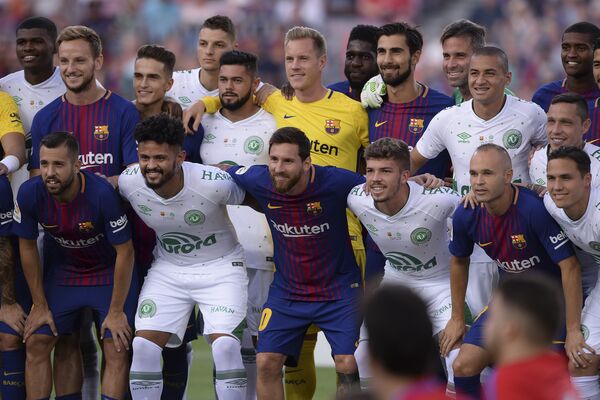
(508, 175)
(77, 165)
(181, 157)
(587, 179)
(508, 78)
(586, 125)
(98, 61)
(169, 84)
(322, 61)
(415, 57)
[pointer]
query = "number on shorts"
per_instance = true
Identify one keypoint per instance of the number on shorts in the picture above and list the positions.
(265, 318)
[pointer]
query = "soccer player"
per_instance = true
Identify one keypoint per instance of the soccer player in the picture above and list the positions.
(317, 280)
(524, 317)
(360, 63)
(576, 53)
(594, 132)
(491, 116)
(217, 36)
(573, 201)
(38, 83)
(409, 224)
(198, 258)
(88, 261)
(519, 234)
(402, 349)
(238, 134)
(12, 136)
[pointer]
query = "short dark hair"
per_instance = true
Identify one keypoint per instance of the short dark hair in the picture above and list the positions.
(597, 44)
(58, 139)
(389, 148)
(366, 33)
(41, 23)
(587, 28)
(465, 27)
(292, 135)
(160, 54)
(580, 157)
(237, 57)
(538, 299)
(414, 39)
(495, 52)
(573, 98)
(400, 331)
(160, 128)
(221, 22)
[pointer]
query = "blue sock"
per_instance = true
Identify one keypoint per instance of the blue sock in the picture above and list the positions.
(13, 374)
(468, 385)
(175, 372)
(105, 397)
(72, 396)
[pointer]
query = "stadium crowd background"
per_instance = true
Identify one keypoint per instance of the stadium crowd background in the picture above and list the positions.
(528, 30)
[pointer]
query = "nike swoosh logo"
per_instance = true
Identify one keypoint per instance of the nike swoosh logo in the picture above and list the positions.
(13, 373)
(271, 207)
(378, 124)
(485, 244)
(285, 116)
(49, 226)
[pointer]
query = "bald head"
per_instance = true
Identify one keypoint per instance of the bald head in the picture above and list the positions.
(499, 155)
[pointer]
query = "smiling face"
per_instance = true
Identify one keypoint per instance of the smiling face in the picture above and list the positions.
(566, 185)
(394, 60)
(457, 52)
(385, 178)
(286, 167)
(303, 64)
(78, 65)
(150, 81)
(576, 54)
(564, 126)
(596, 67)
(35, 49)
(487, 79)
(159, 162)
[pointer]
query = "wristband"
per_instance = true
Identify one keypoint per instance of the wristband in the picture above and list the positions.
(11, 162)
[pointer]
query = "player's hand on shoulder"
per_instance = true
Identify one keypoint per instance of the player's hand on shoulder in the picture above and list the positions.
(469, 200)
(577, 350)
(373, 92)
(532, 152)
(452, 335)
(172, 108)
(429, 181)
(194, 113)
(13, 316)
(39, 316)
(116, 322)
(287, 91)
(264, 92)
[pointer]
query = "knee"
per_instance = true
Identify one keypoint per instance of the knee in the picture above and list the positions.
(345, 364)
(113, 357)
(226, 346)
(465, 366)
(269, 365)
(66, 347)
(10, 342)
(146, 352)
(39, 346)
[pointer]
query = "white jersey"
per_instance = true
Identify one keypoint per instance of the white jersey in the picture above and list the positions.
(415, 240)
(191, 227)
(518, 127)
(187, 88)
(246, 143)
(30, 99)
(539, 164)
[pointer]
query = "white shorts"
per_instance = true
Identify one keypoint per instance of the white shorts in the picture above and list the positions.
(169, 293)
(259, 282)
(483, 278)
(590, 319)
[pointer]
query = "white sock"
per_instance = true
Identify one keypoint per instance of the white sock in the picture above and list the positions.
(145, 375)
(450, 389)
(230, 382)
(189, 355)
(361, 354)
(587, 386)
(249, 360)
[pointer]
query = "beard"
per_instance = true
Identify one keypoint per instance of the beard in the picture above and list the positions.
(286, 186)
(235, 105)
(62, 186)
(164, 178)
(400, 79)
(85, 85)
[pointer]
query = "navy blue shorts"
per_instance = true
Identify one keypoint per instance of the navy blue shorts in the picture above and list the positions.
(67, 302)
(283, 325)
(23, 298)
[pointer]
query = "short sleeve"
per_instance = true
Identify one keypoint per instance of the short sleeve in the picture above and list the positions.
(129, 120)
(191, 145)
(9, 116)
(38, 131)
(25, 224)
(242, 176)
(116, 224)
(211, 104)
(431, 143)
(362, 126)
(461, 244)
(353, 200)
(539, 136)
(551, 236)
(538, 98)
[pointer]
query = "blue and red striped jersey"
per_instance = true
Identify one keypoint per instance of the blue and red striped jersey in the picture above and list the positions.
(408, 121)
(344, 88)
(314, 260)
(593, 134)
(79, 235)
(523, 239)
(104, 131)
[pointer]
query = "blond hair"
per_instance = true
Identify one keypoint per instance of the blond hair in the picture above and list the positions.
(76, 32)
(303, 32)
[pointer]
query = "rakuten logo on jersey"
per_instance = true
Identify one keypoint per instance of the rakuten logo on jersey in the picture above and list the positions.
(300, 231)
(90, 159)
(79, 243)
(518, 266)
(118, 224)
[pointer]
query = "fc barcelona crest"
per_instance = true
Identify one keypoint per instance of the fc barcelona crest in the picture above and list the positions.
(518, 241)
(332, 126)
(85, 226)
(101, 132)
(314, 208)
(416, 125)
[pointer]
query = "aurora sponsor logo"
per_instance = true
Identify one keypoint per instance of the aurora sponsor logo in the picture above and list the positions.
(406, 263)
(184, 243)
(300, 230)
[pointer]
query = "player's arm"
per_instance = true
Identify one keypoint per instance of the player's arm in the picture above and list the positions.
(116, 320)
(417, 160)
(13, 144)
(11, 312)
(455, 328)
(196, 111)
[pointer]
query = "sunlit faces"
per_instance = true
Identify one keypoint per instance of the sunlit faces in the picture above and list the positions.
(212, 43)
(236, 85)
(360, 64)
(576, 54)
(488, 175)
(394, 60)
(159, 162)
(58, 169)
(385, 178)
(457, 52)
(564, 126)
(35, 48)
(78, 65)
(487, 79)
(303, 64)
(150, 81)
(596, 64)
(566, 185)
(286, 167)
